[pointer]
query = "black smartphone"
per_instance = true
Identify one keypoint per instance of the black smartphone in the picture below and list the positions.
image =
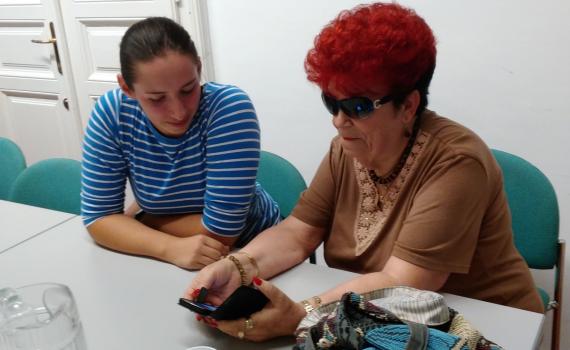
(243, 302)
(203, 309)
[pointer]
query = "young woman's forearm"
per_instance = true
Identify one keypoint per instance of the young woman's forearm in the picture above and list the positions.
(183, 225)
(123, 233)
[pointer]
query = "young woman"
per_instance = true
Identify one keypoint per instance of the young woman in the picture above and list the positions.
(190, 152)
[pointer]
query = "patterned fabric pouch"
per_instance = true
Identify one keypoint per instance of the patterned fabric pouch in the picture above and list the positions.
(389, 318)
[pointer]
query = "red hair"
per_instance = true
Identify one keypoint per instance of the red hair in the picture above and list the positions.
(377, 48)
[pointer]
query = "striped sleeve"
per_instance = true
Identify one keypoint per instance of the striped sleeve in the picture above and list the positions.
(103, 167)
(232, 158)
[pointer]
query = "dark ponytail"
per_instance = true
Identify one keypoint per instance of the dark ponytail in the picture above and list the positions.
(150, 38)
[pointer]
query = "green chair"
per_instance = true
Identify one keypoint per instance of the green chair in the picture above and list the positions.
(51, 183)
(282, 181)
(535, 220)
(12, 163)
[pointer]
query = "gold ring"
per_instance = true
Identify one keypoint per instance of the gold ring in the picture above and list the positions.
(241, 334)
(248, 323)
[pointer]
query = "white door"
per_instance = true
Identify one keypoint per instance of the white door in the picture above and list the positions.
(94, 29)
(33, 85)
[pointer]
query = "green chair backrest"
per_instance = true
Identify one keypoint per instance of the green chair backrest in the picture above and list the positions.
(534, 210)
(281, 180)
(52, 183)
(12, 163)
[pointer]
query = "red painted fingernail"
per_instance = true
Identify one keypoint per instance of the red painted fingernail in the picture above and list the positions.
(198, 318)
(210, 322)
(195, 293)
(257, 281)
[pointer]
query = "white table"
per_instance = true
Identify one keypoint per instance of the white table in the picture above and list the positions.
(129, 302)
(21, 222)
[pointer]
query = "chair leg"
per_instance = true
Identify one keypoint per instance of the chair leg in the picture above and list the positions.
(557, 312)
(555, 344)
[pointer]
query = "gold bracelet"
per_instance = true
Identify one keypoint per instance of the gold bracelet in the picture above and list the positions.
(317, 300)
(307, 306)
(239, 266)
(252, 261)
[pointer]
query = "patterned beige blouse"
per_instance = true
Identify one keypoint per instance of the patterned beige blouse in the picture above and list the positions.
(446, 211)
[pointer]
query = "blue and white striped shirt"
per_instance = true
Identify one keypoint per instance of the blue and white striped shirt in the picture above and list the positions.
(210, 170)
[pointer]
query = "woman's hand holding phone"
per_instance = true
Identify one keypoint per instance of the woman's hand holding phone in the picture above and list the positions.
(280, 317)
(220, 279)
(243, 302)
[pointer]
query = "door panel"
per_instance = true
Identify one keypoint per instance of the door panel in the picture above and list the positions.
(24, 58)
(31, 87)
(101, 41)
(94, 30)
(38, 119)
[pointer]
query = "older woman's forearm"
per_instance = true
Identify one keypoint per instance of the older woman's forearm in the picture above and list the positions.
(361, 284)
(283, 246)
(396, 272)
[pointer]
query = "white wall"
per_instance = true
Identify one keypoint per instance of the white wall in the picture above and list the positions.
(503, 70)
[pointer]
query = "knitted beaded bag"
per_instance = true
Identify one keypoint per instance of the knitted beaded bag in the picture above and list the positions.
(389, 318)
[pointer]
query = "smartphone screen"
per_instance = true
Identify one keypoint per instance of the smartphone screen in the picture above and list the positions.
(199, 308)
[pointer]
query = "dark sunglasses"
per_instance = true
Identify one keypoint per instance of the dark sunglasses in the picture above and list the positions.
(354, 107)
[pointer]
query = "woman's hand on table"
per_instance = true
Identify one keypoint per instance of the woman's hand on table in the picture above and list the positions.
(194, 252)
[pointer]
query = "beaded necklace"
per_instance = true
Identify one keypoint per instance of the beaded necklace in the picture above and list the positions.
(383, 180)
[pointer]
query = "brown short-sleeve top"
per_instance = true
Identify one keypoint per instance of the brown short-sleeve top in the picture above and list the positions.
(446, 211)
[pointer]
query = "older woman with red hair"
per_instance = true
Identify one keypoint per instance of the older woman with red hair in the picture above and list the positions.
(404, 196)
